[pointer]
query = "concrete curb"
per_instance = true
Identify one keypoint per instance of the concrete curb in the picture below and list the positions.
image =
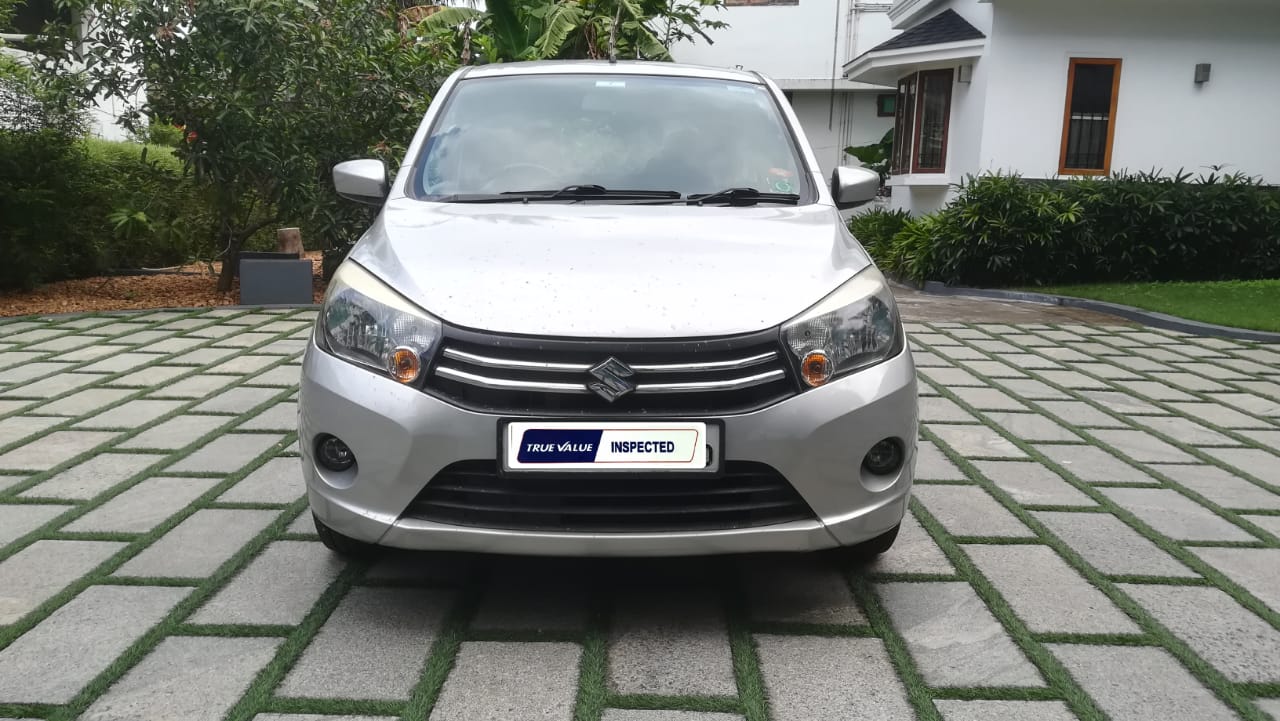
(1146, 317)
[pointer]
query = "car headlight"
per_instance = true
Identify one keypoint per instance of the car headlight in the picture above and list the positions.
(367, 323)
(853, 328)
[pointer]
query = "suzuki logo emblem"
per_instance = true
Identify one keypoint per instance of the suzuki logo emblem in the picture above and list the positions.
(612, 380)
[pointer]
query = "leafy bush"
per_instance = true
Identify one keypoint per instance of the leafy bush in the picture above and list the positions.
(74, 208)
(40, 239)
(875, 229)
(1002, 230)
(155, 214)
(876, 156)
(161, 133)
(31, 101)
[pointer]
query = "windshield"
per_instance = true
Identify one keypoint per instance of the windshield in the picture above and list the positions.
(693, 136)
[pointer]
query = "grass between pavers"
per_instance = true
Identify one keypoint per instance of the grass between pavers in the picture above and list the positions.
(1232, 694)
(167, 626)
(1055, 675)
(593, 684)
(918, 694)
(444, 651)
(593, 694)
(258, 695)
(203, 588)
(1253, 304)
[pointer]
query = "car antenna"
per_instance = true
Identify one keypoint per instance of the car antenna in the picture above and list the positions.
(613, 36)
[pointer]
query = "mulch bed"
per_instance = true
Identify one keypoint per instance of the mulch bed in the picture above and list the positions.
(196, 287)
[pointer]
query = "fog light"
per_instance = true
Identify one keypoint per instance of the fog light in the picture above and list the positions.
(404, 364)
(334, 454)
(816, 368)
(884, 457)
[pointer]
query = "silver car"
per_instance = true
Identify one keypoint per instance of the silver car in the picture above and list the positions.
(608, 310)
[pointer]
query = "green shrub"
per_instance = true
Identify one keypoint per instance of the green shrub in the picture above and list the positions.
(1001, 230)
(155, 215)
(911, 252)
(74, 208)
(165, 134)
(42, 237)
(875, 229)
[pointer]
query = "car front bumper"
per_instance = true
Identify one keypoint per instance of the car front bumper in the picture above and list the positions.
(402, 437)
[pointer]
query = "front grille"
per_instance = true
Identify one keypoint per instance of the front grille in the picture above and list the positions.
(471, 493)
(553, 377)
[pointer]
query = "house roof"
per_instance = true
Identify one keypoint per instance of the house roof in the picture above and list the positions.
(944, 39)
(946, 27)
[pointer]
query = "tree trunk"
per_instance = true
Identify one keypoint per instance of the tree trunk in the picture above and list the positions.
(289, 240)
(230, 263)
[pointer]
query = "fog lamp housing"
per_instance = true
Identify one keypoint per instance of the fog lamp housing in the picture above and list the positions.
(885, 457)
(333, 454)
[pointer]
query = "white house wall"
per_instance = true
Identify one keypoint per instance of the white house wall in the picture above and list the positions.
(830, 129)
(806, 41)
(1164, 120)
(965, 134)
(803, 47)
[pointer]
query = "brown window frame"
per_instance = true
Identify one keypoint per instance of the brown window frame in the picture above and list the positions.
(903, 126)
(1116, 63)
(880, 105)
(916, 135)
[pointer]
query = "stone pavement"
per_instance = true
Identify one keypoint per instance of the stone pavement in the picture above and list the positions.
(1095, 534)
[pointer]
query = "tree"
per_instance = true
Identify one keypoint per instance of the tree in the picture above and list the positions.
(271, 93)
(509, 30)
(876, 156)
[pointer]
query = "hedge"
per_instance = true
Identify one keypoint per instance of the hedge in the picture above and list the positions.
(73, 208)
(1002, 230)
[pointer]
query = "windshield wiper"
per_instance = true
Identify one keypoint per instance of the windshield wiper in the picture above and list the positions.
(592, 190)
(742, 196)
(569, 192)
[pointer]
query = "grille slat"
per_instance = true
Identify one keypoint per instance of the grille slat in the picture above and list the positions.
(674, 378)
(471, 493)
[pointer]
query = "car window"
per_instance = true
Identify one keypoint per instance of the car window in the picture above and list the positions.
(545, 132)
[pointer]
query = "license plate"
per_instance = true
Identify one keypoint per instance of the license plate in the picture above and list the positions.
(619, 446)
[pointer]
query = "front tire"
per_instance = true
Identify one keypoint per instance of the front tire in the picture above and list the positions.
(340, 544)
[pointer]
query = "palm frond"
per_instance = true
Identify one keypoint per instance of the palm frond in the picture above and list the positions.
(449, 18)
(650, 47)
(510, 28)
(565, 18)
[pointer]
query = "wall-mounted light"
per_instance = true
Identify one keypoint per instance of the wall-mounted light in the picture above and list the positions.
(966, 73)
(1203, 70)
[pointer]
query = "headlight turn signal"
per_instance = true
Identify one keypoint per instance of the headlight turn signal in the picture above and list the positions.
(404, 365)
(816, 368)
(854, 327)
(365, 322)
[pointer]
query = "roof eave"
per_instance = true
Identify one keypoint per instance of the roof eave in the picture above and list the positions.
(904, 12)
(884, 67)
(840, 84)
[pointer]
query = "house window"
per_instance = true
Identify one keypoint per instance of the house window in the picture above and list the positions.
(923, 119)
(904, 124)
(1089, 129)
(886, 105)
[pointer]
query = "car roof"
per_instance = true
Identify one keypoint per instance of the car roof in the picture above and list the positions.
(604, 67)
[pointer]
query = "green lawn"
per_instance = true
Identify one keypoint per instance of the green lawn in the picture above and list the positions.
(1253, 304)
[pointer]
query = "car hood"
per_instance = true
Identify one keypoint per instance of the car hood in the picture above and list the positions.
(609, 270)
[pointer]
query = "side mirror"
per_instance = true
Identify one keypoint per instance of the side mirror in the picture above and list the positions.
(364, 181)
(852, 187)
